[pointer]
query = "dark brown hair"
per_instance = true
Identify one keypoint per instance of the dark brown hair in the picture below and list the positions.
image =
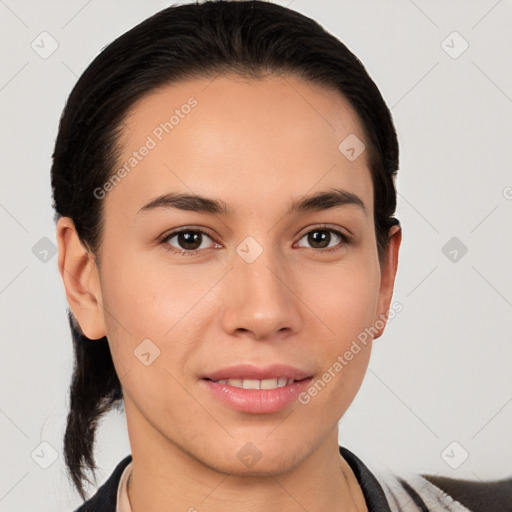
(251, 38)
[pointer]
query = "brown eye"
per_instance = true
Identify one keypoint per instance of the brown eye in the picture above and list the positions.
(187, 241)
(323, 238)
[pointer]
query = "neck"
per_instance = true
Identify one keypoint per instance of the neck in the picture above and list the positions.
(164, 477)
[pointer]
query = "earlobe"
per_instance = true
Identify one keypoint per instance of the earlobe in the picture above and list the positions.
(388, 272)
(80, 276)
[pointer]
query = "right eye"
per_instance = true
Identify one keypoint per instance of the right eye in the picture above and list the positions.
(189, 241)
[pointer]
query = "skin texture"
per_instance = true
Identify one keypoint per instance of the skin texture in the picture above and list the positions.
(258, 145)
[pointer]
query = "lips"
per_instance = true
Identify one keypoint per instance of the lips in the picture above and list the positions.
(249, 389)
(246, 372)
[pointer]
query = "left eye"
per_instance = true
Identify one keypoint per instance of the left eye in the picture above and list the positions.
(320, 236)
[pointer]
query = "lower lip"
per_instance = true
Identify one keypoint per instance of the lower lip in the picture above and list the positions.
(257, 401)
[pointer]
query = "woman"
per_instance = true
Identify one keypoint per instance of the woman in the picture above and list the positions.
(223, 182)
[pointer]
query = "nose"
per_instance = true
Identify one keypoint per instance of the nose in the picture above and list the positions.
(260, 299)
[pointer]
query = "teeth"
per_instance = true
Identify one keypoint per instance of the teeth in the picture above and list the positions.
(257, 384)
(269, 384)
(251, 384)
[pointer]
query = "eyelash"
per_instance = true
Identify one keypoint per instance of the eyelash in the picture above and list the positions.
(346, 240)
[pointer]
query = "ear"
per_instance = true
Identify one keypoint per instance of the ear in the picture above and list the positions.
(79, 272)
(388, 272)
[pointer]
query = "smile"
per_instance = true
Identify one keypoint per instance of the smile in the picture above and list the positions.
(279, 382)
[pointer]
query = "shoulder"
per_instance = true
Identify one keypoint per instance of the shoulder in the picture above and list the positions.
(106, 496)
(489, 496)
(387, 491)
(431, 492)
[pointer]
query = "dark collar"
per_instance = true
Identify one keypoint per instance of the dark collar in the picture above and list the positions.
(372, 491)
(105, 499)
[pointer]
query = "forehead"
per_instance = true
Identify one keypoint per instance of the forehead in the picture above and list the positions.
(242, 138)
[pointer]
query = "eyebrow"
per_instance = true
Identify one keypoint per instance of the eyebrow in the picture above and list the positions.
(191, 202)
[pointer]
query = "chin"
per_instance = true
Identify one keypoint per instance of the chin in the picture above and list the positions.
(259, 458)
(262, 468)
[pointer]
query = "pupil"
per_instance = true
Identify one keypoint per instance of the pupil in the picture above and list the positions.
(189, 238)
(324, 235)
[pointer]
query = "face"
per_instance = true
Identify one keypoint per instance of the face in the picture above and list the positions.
(251, 286)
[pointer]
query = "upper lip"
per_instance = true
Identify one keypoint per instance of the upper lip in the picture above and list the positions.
(248, 371)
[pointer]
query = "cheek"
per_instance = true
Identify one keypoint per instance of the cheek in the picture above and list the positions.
(147, 300)
(345, 303)
(344, 298)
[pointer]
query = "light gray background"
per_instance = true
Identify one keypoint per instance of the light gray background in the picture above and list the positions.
(441, 372)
